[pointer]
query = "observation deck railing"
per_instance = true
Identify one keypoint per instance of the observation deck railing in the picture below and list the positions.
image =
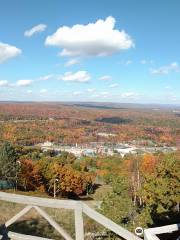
(151, 233)
(79, 209)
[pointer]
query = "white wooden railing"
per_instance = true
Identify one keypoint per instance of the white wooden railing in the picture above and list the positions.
(150, 233)
(78, 207)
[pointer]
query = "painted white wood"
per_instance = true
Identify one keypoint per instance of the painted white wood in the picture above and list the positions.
(18, 215)
(19, 236)
(164, 229)
(79, 226)
(53, 223)
(150, 233)
(149, 236)
(109, 224)
(37, 201)
(79, 208)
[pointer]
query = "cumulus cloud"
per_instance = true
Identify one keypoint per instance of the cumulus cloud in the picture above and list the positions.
(144, 61)
(94, 39)
(173, 98)
(172, 67)
(105, 78)
(167, 87)
(76, 93)
(29, 91)
(72, 62)
(36, 29)
(24, 82)
(95, 96)
(80, 76)
(4, 83)
(90, 90)
(8, 51)
(104, 93)
(128, 62)
(129, 95)
(46, 77)
(114, 85)
(43, 90)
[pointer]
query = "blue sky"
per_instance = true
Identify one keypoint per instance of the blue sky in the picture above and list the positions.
(111, 51)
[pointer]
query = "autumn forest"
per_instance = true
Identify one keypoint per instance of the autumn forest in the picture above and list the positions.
(132, 190)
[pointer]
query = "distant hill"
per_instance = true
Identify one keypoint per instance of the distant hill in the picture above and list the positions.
(103, 105)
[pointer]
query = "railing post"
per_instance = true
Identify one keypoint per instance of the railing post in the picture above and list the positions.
(149, 236)
(79, 226)
(145, 236)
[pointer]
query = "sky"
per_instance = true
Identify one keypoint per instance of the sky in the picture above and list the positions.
(94, 51)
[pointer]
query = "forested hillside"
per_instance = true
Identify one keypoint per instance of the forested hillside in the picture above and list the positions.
(29, 124)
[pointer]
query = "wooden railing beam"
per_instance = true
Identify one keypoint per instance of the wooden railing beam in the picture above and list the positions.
(18, 215)
(19, 236)
(150, 233)
(37, 201)
(77, 206)
(79, 225)
(120, 231)
(53, 223)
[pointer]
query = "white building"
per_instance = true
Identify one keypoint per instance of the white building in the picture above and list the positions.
(46, 144)
(126, 150)
(102, 134)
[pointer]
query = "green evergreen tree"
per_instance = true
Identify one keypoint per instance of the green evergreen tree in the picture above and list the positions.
(117, 205)
(9, 166)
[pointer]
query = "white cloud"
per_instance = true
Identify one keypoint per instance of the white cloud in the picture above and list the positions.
(167, 87)
(129, 95)
(95, 96)
(128, 62)
(90, 90)
(94, 39)
(36, 29)
(105, 78)
(114, 85)
(80, 76)
(43, 90)
(144, 61)
(77, 93)
(72, 62)
(4, 83)
(46, 77)
(104, 93)
(29, 91)
(24, 82)
(8, 51)
(172, 67)
(171, 96)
